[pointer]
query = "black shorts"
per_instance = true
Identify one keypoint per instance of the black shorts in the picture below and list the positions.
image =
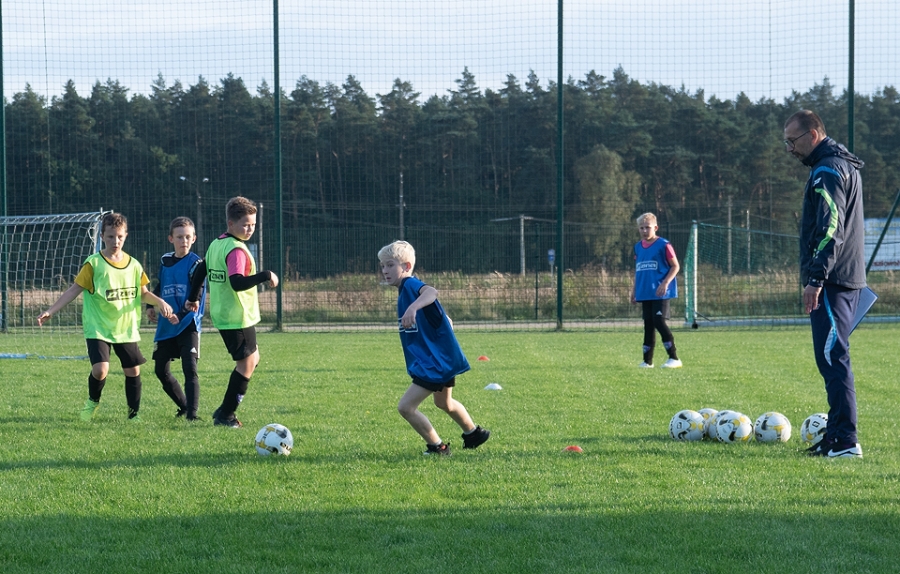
(650, 309)
(241, 343)
(434, 387)
(129, 353)
(178, 346)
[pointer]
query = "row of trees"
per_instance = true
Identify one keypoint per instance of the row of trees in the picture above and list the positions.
(459, 159)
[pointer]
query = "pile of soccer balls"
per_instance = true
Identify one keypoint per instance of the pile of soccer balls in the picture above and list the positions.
(734, 427)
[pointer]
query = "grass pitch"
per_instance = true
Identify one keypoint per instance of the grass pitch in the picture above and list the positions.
(356, 495)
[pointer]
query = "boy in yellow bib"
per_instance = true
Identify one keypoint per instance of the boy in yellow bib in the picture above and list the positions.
(114, 286)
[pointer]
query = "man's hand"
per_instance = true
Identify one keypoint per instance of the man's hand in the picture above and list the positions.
(811, 298)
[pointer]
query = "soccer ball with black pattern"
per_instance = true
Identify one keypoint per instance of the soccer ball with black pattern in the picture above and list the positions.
(733, 427)
(686, 425)
(813, 428)
(274, 439)
(772, 427)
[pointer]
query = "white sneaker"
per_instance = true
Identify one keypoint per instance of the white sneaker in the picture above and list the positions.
(671, 364)
(644, 365)
(845, 451)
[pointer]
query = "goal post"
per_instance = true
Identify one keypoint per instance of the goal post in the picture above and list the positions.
(40, 258)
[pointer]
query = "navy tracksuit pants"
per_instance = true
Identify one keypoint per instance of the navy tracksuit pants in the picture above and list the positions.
(831, 325)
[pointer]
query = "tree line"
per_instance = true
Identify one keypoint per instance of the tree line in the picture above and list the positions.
(458, 160)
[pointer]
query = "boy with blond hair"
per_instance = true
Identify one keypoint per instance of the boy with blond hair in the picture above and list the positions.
(654, 284)
(433, 355)
(114, 285)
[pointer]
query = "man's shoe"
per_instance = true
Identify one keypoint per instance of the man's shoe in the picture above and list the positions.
(90, 407)
(820, 448)
(645, 365)
(442, 449)
(476, 438)
(672, 364)
(850, 450)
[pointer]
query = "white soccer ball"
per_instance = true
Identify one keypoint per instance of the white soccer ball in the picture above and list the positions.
(274, 439)
(711, 424)
(772, 427)
(709, 418)
(733, 427)
(686, 425)
(813, 428)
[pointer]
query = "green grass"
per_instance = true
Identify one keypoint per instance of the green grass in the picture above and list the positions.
(357, 496)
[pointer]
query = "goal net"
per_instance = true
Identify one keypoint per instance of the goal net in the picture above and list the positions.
(40, 258)
(739, 276)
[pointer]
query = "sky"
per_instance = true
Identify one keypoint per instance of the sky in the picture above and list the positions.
(765, 49)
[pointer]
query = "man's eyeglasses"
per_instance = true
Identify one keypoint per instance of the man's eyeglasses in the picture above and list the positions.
(791, 141)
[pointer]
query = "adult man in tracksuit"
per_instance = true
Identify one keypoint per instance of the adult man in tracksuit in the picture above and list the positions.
(832, 269)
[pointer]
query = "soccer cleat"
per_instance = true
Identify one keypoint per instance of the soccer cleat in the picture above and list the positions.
(180, 413)
(849, 450)
(476, 438)
(133, 417)
(645, 365)
(90, 407)
(671, 364)
(226, 421)
(442, 449)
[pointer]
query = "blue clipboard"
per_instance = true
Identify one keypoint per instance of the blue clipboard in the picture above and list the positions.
(867, 298)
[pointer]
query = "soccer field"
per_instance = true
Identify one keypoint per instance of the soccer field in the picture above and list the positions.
(356, 495)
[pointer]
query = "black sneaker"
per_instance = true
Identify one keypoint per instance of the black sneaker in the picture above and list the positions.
(476, 438)
(820, 448)
(442, 449)
(180, 413)
(226, 421)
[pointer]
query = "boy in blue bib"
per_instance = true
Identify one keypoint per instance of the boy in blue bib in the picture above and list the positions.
(655, 268)
(432, 353)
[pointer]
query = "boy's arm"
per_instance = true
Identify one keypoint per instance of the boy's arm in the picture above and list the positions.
(244, 282)
(198, 277)
(67, 297)
(427, 296)
(164, 308)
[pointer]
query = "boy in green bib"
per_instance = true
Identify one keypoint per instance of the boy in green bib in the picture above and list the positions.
(114, 286)
(234, 302)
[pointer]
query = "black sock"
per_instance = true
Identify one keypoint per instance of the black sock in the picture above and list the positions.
(237, 388)
(95, 388)
(133, 394)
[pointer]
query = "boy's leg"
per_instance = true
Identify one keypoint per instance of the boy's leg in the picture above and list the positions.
(131, 358)
(649, 332)
(241, 344)
(409, 410)
(169, 383)
(98, 352)
(444, 400)
(473, 435)
(190, 351)
(163, 354)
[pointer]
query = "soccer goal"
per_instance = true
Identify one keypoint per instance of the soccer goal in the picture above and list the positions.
(739, 276)
(40, 257)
